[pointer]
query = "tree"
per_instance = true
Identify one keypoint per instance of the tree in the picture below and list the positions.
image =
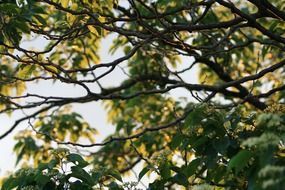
(229, 135)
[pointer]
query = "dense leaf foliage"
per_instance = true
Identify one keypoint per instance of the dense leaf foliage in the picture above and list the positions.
(224, 131)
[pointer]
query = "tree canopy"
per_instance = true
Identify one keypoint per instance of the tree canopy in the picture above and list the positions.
(225, 131)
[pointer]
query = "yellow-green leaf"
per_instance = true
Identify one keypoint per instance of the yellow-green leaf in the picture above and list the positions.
(70, 18)
(93, 30)
(64, 3)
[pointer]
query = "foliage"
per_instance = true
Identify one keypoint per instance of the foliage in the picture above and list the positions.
(226, 131)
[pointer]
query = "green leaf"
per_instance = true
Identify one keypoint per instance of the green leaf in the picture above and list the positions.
(176, 140)
(24, 27)
(181, 179)
(42, 180)
(218, 173)
(264, 141)
(39, 10)
(26, 71)
(52, 163)
(9, 7)
(10, 183)
(165, 171)
(41, 19)
(77, 159)
(221, 144)
(191, 168)
(43, 166)
(196, 116)
(50, 185)
(143, 172)
(240, 160)
(80, 173)
(115, 174)
(114, 186)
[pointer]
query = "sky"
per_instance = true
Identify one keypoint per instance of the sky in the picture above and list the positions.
(93, 112)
